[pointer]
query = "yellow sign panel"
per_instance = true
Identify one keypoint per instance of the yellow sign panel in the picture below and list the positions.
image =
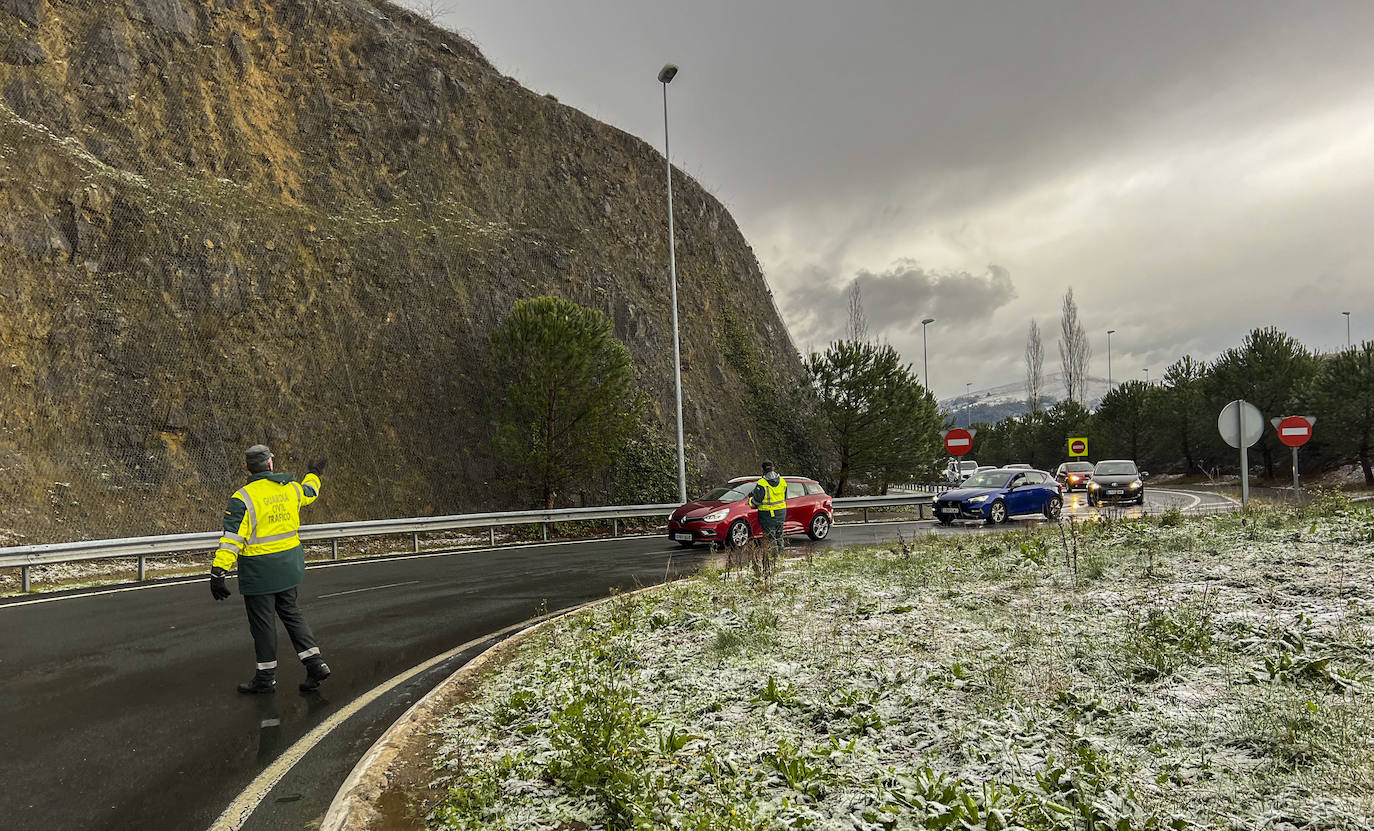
(1078, 447)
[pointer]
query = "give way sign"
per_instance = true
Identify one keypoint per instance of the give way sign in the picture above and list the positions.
(1294, 431)
(958, 441)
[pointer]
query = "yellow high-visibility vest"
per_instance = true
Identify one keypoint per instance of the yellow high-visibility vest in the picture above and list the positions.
(271, 523)
(775, 496)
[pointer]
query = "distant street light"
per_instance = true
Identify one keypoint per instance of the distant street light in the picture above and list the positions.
(925, 362)
(1109, 359)
(967, 401)
(1147, 376)
(1347, 329)
(665, 75)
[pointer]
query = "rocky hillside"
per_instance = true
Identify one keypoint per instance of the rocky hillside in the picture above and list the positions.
(297, 221)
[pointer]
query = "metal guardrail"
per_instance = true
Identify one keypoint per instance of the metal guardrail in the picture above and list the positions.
(25, 557)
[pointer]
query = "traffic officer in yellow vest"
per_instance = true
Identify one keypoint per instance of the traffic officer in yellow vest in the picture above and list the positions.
(770, 497)
(260, 533)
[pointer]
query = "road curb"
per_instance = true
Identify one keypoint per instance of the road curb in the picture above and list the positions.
(354, 805)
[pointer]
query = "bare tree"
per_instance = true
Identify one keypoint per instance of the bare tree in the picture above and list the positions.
(430, 10)
(858, 321)
(1074, 351)
(1035, 368)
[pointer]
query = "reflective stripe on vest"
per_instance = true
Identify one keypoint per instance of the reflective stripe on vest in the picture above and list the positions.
(775, 498)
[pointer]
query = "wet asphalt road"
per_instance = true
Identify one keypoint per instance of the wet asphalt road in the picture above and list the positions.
(118, 708)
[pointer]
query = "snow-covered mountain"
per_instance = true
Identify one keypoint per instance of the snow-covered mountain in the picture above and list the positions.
(996, 403)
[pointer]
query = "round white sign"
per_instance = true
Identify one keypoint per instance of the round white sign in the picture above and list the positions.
(1240, 421)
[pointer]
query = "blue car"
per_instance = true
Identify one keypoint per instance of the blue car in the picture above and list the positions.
(995, 495)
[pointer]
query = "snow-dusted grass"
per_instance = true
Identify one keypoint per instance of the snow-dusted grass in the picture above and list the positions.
(1205, 673)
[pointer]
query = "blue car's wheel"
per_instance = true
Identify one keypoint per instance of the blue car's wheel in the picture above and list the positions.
(1053, 507)
(997, 513)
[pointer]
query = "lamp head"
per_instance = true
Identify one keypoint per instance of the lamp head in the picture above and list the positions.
(667, 73)
(1111, 331)
(928, 320)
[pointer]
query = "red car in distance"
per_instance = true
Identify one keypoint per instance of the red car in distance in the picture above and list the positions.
(723, 516)
(1074, 475)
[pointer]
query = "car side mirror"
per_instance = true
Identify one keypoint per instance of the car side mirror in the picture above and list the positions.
(1144, 474)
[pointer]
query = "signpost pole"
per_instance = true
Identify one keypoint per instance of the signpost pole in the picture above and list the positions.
(1244, 457)
(1296, 486)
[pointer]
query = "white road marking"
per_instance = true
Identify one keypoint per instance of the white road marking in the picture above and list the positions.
(243, 806)
(368, 589)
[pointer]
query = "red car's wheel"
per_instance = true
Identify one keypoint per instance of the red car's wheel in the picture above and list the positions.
(820, 527)
(738, 536)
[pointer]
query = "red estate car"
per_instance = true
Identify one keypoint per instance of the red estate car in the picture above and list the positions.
(724, 517)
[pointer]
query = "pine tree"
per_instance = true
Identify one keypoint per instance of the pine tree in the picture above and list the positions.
(568, 400)
(1346, 393)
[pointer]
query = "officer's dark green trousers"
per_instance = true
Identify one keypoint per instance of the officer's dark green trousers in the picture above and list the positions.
(771, 522)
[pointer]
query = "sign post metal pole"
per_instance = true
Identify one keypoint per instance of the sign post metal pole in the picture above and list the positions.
(1244, 459)
(1296, 487)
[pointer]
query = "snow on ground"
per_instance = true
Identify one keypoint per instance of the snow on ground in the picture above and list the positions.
(1186, 673)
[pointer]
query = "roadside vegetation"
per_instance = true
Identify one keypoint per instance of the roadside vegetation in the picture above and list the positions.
(1170, 425)
(1164, 673)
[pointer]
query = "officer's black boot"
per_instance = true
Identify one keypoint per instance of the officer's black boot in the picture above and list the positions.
(316, 670)
(265, 681)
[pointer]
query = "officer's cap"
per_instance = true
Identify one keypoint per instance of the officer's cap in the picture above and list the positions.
(257, 456)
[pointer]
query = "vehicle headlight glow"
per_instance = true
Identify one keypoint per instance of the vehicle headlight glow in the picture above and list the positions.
(1094, 485)
(1135, 484)
(975, 500)
(716, 516)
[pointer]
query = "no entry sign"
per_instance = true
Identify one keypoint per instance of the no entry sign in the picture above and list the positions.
(1078, 447)
(958, 441)
(1294, 431)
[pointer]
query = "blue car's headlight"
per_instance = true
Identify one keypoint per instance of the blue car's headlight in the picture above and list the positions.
(975, 500)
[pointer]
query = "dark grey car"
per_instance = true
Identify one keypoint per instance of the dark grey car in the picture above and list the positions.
(1116, 480)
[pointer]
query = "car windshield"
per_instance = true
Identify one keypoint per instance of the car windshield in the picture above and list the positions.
(990, 479)
(730, 493)
(1079, 467)
(1116, 469)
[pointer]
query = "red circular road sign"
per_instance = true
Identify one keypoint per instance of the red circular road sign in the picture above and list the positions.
(1294, 431)
(1078, 447)
(958, 441)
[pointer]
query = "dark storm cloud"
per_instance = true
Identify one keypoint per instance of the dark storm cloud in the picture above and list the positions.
(1184, 166)
(896, 300)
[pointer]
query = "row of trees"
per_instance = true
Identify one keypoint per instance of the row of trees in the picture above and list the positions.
(571, 410)
(1172, 425)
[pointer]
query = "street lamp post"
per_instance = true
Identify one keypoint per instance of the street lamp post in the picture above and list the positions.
(665, 76)
(1109, 359)
(925, 362)
(967, 401)
(1347, 329)
(1147, 376)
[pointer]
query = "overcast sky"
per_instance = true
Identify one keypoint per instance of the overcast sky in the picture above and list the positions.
(1191, 169)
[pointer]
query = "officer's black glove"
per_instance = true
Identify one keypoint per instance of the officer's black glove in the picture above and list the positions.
(218, 589)
(316, 467)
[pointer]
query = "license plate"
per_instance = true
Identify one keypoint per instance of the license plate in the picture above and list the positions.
(1116, 492)
(683, 537)
(949, 510)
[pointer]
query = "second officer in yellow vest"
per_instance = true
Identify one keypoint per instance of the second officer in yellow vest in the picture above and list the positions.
(261, 533)
(770, 497)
